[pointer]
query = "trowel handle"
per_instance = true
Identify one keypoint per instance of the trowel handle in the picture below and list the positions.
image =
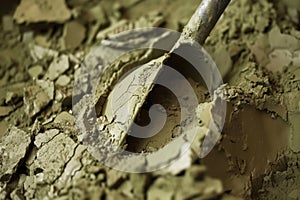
(204, 19)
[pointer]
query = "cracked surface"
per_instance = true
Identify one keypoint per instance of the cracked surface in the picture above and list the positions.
(19, 141)
(42, 156)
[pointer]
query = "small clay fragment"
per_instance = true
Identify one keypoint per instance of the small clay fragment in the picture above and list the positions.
(57, 67)
(18, 141)
(35, 71)
(73, 36)
(38, 96)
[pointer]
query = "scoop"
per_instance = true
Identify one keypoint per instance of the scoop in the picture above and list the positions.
(110, 94)
(128, 96)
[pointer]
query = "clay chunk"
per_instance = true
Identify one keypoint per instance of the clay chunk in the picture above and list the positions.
(32, 11)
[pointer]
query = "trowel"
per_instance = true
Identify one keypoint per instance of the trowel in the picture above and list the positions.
(127, 97)
(106, 108)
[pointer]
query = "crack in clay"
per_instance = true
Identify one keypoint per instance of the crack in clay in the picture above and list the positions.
(65, 164)
(256, 51)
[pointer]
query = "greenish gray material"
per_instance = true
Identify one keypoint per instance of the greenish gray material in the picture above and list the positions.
(18, 141)
(256, 49)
